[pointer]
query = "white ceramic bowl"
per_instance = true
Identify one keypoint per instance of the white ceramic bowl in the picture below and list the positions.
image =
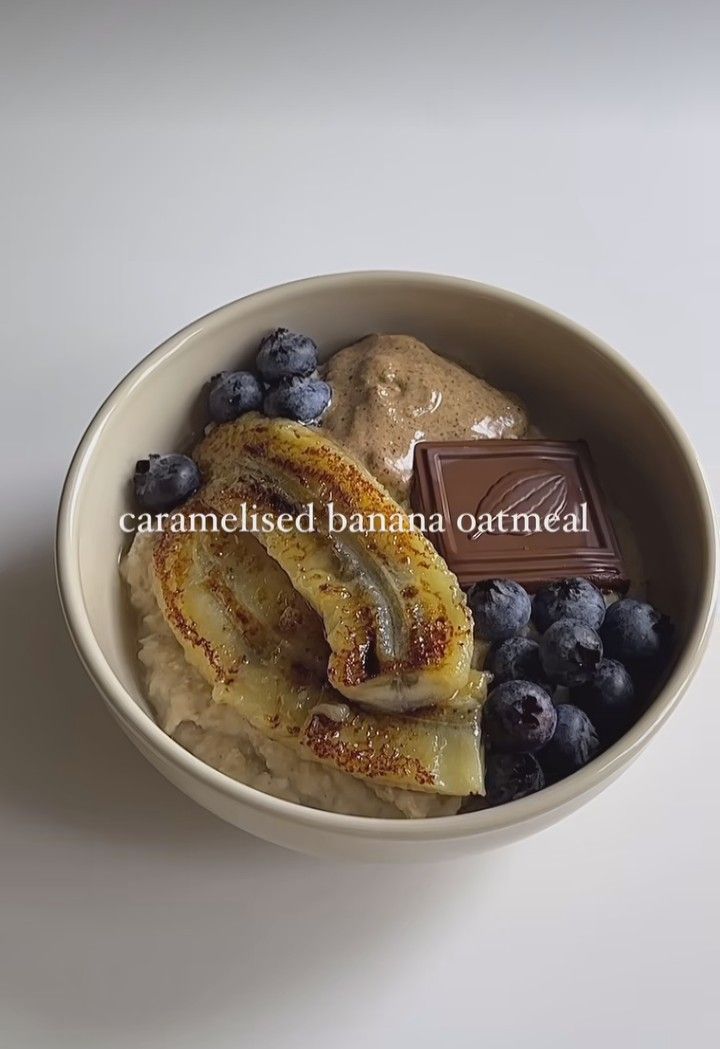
(574, 386)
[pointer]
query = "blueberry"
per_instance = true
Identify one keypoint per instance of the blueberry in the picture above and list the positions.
(516, 658)
(500, 607)
(232, 394)
(518, 717)
(301, 399)
(568, 599)
(570, 652)
(511, 776)
(164, 481)
(573, 744)
(608, 699)
(283, 354)
(634, 632)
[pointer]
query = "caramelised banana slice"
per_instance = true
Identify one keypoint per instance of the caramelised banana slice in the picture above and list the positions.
(428, 750)
(253, 637)
(395, 618)
(226, 601)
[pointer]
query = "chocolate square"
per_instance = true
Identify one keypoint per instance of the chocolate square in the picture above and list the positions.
(456, 478)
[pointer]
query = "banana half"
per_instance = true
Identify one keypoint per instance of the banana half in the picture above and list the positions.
(395, 619)
(262, 648)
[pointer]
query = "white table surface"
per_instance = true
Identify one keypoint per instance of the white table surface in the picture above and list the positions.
(159, 160)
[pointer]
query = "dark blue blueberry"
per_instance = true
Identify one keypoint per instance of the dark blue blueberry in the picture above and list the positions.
(516, 658)
(635, 632)
(232, 394)
(568, 599)
(284, 354)
(570, 652)
(511, 776)
(518, 717)
(500, 608)
(608, 699)
(301, 399)
(164, 481)
(574, 743)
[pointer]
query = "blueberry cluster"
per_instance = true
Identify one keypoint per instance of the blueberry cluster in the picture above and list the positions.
(557, 701)
(287, 386)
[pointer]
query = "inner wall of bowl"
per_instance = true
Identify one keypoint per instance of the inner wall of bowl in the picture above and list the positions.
(571, 389)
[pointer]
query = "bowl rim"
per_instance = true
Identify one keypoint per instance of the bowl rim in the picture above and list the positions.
(531, 809)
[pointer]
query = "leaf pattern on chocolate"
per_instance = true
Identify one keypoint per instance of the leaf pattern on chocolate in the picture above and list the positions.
(523, 492)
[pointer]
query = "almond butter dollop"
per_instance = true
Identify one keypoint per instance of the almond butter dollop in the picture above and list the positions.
(391, 391)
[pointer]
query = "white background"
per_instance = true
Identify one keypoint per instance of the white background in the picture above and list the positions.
(161, 159)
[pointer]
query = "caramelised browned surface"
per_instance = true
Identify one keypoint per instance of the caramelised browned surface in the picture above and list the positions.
(396, 621)
(542, 478)
(374, 755)
(224, 599)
